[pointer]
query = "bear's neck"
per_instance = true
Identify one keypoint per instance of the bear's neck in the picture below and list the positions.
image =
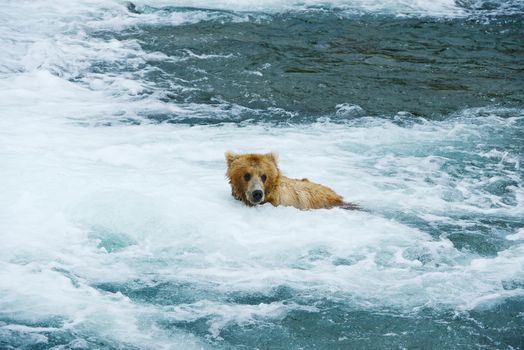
(273, 197)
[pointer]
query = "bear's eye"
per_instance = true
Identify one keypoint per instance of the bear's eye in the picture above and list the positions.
(247, 176)
(264, 178)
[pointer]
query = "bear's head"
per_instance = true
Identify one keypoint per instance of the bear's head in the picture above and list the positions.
(253, 177)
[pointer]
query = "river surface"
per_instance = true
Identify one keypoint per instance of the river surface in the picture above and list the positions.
(117, 226)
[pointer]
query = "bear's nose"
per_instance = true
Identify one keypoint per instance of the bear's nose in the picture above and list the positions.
(257, 195)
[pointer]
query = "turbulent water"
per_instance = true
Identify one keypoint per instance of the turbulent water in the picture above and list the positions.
(117, 227)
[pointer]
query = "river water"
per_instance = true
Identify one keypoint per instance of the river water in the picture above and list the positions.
(117, 227)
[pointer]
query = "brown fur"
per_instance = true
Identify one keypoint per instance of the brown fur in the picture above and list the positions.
(277, 189)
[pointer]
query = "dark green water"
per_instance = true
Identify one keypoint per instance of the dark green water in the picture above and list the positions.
(300, 65)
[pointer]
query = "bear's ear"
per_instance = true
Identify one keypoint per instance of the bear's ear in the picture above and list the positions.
(230, 157)
(273, 156)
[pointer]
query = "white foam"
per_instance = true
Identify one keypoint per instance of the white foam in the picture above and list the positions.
(220, 315)
(39, 292)
(517, 236)
(164, 187)
(404, 7)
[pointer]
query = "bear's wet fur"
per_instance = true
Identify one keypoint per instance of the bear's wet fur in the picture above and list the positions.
(256, 179)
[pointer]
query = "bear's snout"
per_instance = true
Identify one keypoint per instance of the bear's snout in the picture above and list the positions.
(257, 195)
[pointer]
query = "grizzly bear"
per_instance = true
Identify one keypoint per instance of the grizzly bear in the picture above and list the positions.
(256, 179)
